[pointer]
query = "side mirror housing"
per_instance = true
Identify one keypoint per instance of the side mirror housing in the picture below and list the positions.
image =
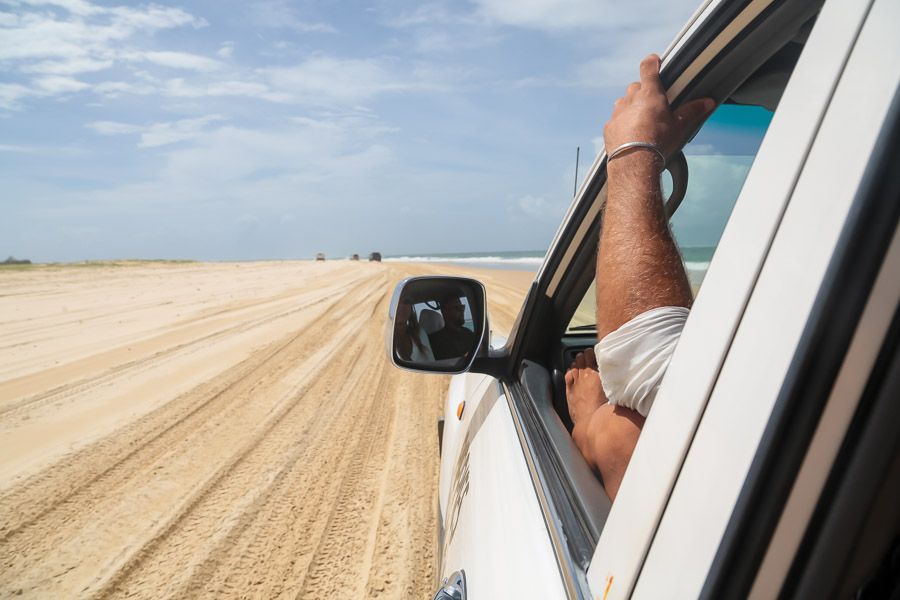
(437, 324)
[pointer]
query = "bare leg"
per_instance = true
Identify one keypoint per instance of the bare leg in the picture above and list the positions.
(605, 434)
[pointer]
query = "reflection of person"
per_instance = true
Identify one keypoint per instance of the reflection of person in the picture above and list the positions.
(454, 340)
(643, 294)
(409, 337)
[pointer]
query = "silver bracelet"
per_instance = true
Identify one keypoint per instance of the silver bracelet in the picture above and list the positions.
(629, 145)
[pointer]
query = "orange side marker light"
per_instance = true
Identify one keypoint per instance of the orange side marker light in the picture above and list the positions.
(460, 409)
(609, 580)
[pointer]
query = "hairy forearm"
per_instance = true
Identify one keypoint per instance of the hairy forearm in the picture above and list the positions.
(638, 265)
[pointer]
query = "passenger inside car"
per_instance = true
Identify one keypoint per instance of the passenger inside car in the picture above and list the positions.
(454, 339)
(643, 294)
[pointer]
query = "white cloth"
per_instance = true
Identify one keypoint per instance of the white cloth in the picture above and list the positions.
(633, 359)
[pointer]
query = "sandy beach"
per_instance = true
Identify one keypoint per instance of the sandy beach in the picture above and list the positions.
(217, 430)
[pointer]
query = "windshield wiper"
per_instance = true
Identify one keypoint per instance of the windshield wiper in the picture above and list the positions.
(591, 327)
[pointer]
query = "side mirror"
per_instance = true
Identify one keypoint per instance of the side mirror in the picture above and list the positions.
(437, 324)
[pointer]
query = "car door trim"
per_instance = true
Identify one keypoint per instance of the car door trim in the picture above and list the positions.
(574, 579)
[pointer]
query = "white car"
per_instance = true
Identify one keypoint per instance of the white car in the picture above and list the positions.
(770, 463)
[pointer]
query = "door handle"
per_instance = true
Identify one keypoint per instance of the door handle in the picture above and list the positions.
(452, 588)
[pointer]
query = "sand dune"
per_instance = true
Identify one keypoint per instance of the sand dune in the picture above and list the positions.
(220, 430)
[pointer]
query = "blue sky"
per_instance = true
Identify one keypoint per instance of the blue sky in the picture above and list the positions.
(245, 130)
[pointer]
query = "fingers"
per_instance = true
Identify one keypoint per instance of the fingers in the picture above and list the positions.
(650, 74)
(632, 88)
(691, 114)
(570, 378)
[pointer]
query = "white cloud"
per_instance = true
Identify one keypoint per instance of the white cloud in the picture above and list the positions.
(176, 60)
(563, 15)
(76, 7)
(83, 37)
(115, 88)
(279, 14)
(179, 88)
(16, 149)
(715, 182)
(324, 79)
(11, 93)
(112, 127)
(8, 19)
(59, 84)
(226, 51)
(540, 207)
(161, 134)
(157, 134)
(432, 13)
(71, 66)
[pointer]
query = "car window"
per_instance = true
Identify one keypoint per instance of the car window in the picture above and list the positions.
(718, 158)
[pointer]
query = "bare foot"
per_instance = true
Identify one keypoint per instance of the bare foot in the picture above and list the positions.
(584, 392)
(606, 435)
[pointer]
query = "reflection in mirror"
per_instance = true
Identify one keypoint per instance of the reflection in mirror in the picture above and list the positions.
(437, 323)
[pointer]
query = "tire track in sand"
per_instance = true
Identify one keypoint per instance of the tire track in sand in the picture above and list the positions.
(171, 479)
(143, 440)
(181, 337)
(308, 470)
(280, 468)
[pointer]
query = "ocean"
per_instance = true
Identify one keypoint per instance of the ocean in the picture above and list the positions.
(526, 260)
(696, 259)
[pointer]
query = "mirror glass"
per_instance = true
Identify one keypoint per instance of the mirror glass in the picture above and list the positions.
(437, 323)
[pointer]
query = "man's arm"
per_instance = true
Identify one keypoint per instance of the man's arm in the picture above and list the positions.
(638, 264)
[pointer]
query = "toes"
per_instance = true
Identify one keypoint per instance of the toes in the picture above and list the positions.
(590, 358)
(570, 378)
(579, 360)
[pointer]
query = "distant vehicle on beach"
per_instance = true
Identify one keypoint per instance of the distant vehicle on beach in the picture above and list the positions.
(354, 257)
(320, 256)
(375, 257)
(768, 466)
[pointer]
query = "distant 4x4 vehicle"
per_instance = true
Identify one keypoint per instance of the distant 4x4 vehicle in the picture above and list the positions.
(320, 256)
(769, 464)
(375, 257)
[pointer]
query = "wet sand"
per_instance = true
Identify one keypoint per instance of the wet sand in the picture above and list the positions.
(217, 430)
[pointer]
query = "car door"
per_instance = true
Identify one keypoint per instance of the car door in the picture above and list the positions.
(493, 528)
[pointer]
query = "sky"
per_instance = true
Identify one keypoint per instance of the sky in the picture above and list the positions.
(221, 130)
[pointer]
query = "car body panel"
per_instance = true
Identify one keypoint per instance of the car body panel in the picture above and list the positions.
(741, 403)
(493, 527)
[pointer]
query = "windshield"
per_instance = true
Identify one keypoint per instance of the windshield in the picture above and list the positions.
(719, 158)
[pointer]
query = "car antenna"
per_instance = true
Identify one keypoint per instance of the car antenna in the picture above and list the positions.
(577, 156)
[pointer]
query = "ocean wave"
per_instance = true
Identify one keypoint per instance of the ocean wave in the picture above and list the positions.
(522, 260)
(696, 266)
